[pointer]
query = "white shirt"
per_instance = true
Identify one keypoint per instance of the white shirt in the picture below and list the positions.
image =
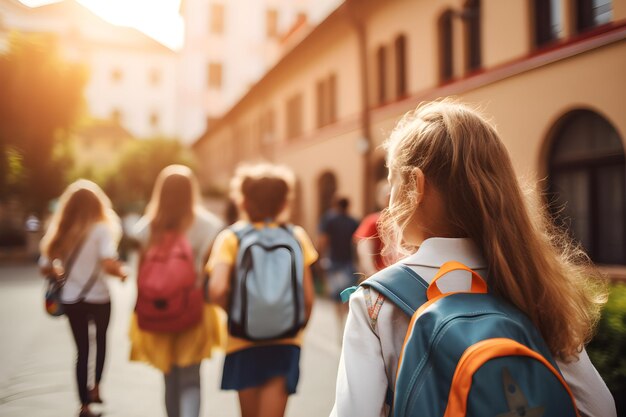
(369, 356)
(98, 245)
(201, 234)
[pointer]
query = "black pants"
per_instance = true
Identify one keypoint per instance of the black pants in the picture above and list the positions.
(79, 315)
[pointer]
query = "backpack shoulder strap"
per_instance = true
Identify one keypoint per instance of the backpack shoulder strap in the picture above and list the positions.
(240, 230)
(400, 285)
(288, 227)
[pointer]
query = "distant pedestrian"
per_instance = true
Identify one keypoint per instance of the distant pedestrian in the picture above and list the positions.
(337, 250)
(79, 245)
(174, 331)
(369, 246)
(455, 197)
(264, 372)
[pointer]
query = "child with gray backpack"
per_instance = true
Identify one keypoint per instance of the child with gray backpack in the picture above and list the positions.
(260, 274)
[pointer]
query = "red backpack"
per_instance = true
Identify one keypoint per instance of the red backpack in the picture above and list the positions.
(167, 297)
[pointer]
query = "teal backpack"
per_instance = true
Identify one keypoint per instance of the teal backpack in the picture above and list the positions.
(469, 353)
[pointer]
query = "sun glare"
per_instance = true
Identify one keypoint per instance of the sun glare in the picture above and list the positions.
(158, 19)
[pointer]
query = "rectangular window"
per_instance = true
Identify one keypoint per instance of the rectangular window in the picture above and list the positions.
(116, 75)
(294, 116)
(592, 13)
(446, 70)
(332, 98)
(215, 75)
(321, 102)
(400, 47)
(154, 119)
(326, 100)
(155, 77)
(116, 116)
(216, 19)
(548, 24)
(271, 23)
(382, 74)
(266, 128)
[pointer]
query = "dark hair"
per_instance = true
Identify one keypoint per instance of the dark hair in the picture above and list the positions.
(262, 191)
(264, 197)
(343, 203)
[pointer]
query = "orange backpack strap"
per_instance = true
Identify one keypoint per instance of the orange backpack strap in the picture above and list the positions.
(478, 284)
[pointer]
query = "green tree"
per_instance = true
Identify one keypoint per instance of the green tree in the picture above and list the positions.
(130, 182)
(41, 97)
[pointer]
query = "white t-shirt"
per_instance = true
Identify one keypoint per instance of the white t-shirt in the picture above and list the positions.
(369, 356)
(98, 245)
(200, 234)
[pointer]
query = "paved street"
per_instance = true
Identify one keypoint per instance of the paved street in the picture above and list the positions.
(37, 360)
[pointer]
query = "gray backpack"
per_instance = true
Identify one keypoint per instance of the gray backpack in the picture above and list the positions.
(267, 293)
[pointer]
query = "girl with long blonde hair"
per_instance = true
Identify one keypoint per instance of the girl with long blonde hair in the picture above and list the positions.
(84, 228)
(175, 209)
(455, 196)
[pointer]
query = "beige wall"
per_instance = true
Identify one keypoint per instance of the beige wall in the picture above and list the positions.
(310, 160)
(619, 9)
(525, 107)
(503, 38)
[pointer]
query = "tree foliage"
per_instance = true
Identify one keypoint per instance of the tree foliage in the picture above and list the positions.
(607, 348)
(41, 97)
(130, 183)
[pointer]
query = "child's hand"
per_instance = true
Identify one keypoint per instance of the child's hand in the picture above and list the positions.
(56, 270)
(115, 268)
(123, 272)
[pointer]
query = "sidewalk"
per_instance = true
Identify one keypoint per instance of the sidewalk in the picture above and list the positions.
(37, 361)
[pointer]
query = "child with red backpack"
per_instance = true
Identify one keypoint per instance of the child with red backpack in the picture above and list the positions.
(172, 329)
(489, 311)
(260, 274)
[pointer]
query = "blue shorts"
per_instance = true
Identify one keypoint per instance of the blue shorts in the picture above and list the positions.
(254, 366)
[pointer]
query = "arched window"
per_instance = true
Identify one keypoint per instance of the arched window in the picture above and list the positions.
(446, 70)
(587, 184)
(327, 187)
(592, 13)
(400, 49)
(471, 20)
(382, 74)
(548, 21)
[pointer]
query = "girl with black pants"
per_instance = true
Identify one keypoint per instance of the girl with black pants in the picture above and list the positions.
(78, 247)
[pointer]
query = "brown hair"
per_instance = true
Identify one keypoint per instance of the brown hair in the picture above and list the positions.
(173, 202)
(262, 190)
(531, 264)
(81, 205)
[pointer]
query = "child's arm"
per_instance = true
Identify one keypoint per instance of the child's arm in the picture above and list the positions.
(219, 268)
(361, 377)
(593, 398)
(219, 285)
(309, 292)
(114, 267)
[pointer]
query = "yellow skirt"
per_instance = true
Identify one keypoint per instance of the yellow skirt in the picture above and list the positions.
(162, 350)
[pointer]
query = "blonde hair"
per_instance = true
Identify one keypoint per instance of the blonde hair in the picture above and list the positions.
(81, 205)
(531, 264)
(262, 191)
(174, 202)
